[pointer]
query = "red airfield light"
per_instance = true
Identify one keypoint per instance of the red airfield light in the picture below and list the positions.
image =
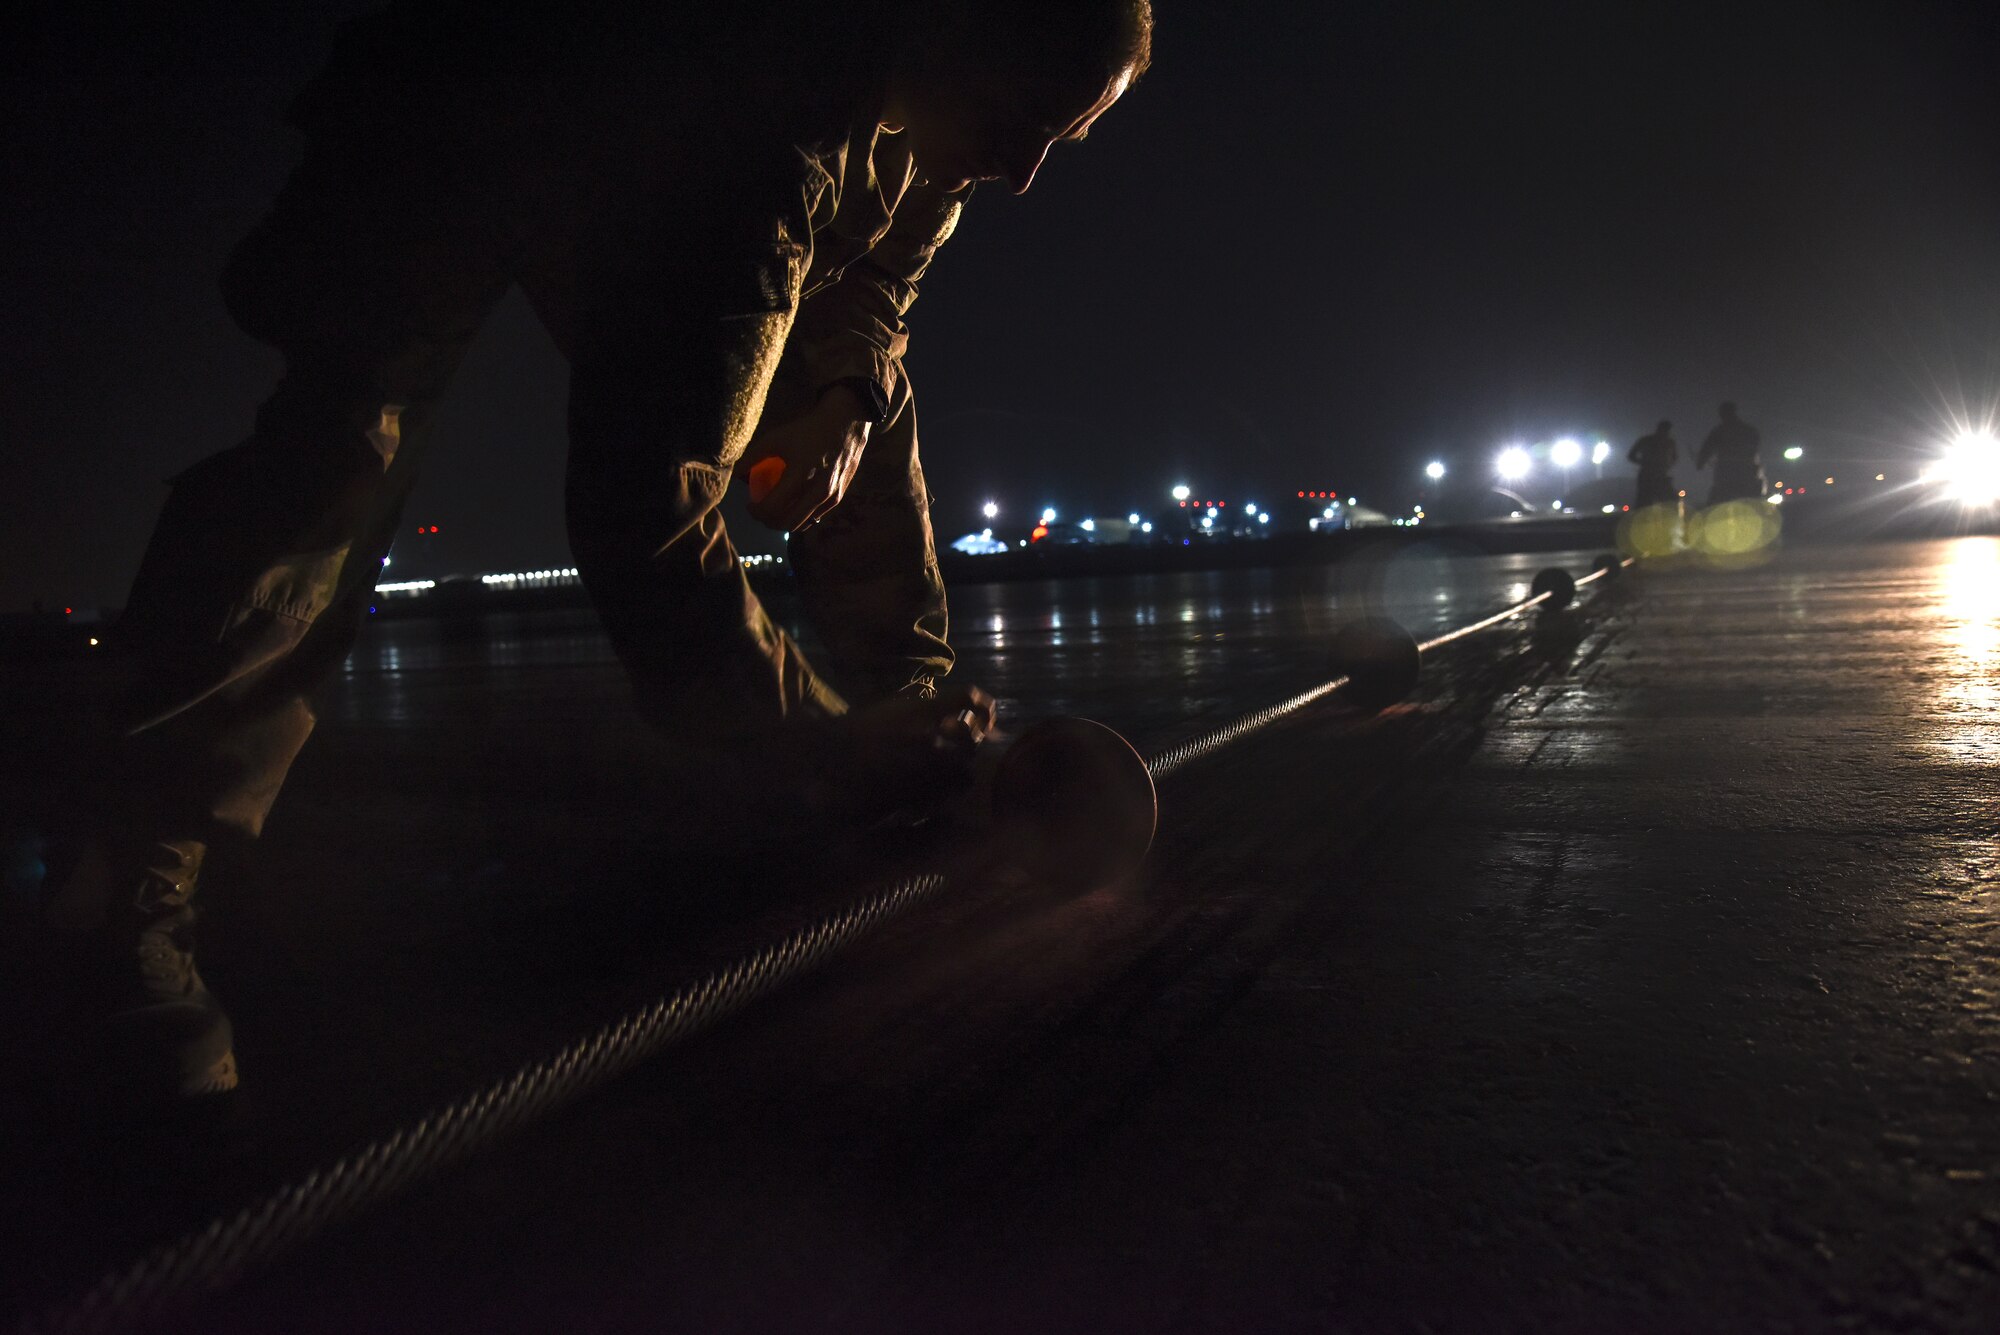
(1041, 531)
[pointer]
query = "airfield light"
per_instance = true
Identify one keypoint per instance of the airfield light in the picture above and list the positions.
(1181, 492)
(1600, 451)
(1970, 468)
(1049, 515)
(991, 509)
(1434, 469)
(1565, 453)
(1513, 464)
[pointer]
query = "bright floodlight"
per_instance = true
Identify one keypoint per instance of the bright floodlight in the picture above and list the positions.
(1049, 515)
(1434, 470)
(1795, 452)
(1132, 518)
(1090, 526)
(1970, 468)
(1263, 519)
(991, 509)
(1249, 507)
(1600, 451)
(1513, 464)
(1181, 492)
(1566, 453)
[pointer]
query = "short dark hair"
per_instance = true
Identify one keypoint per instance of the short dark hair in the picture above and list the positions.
(1117, 33)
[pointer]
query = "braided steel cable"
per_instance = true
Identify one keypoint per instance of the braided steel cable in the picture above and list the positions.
(212, 1258)
(1182, 753)
(1171, 759)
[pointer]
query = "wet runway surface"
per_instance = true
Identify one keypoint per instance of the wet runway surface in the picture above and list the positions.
(1642, 972)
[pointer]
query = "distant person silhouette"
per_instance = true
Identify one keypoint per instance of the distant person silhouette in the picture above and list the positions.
(1656, 456)
(1732, 445)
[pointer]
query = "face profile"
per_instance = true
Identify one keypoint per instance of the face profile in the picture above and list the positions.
(973, 115)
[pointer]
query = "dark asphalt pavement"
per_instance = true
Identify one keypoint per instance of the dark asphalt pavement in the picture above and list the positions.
(1643, 972)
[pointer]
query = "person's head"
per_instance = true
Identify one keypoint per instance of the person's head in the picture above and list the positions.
(1728, 411)
(985, 87)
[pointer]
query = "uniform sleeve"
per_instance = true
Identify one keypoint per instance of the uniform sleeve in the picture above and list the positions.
(868, 573)
(853, 327)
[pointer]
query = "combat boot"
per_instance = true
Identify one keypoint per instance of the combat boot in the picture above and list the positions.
(125, 916)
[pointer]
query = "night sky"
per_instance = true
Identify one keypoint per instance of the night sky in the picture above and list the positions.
(1311, 249)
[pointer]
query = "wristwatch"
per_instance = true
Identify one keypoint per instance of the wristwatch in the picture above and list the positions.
(874, 402)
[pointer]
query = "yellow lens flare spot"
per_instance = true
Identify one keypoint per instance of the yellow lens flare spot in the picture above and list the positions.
(1650, 531)
(1735, 533)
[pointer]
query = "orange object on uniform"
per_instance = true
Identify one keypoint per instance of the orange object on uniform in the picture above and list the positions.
(765, 475)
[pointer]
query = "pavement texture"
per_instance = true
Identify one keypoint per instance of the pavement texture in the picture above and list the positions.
(1639, 973)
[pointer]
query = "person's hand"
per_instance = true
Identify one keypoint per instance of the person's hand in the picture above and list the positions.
(912, 753)
(799, 470)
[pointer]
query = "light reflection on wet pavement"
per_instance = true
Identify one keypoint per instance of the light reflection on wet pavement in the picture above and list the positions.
(1647, 981)
(1151, 655)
